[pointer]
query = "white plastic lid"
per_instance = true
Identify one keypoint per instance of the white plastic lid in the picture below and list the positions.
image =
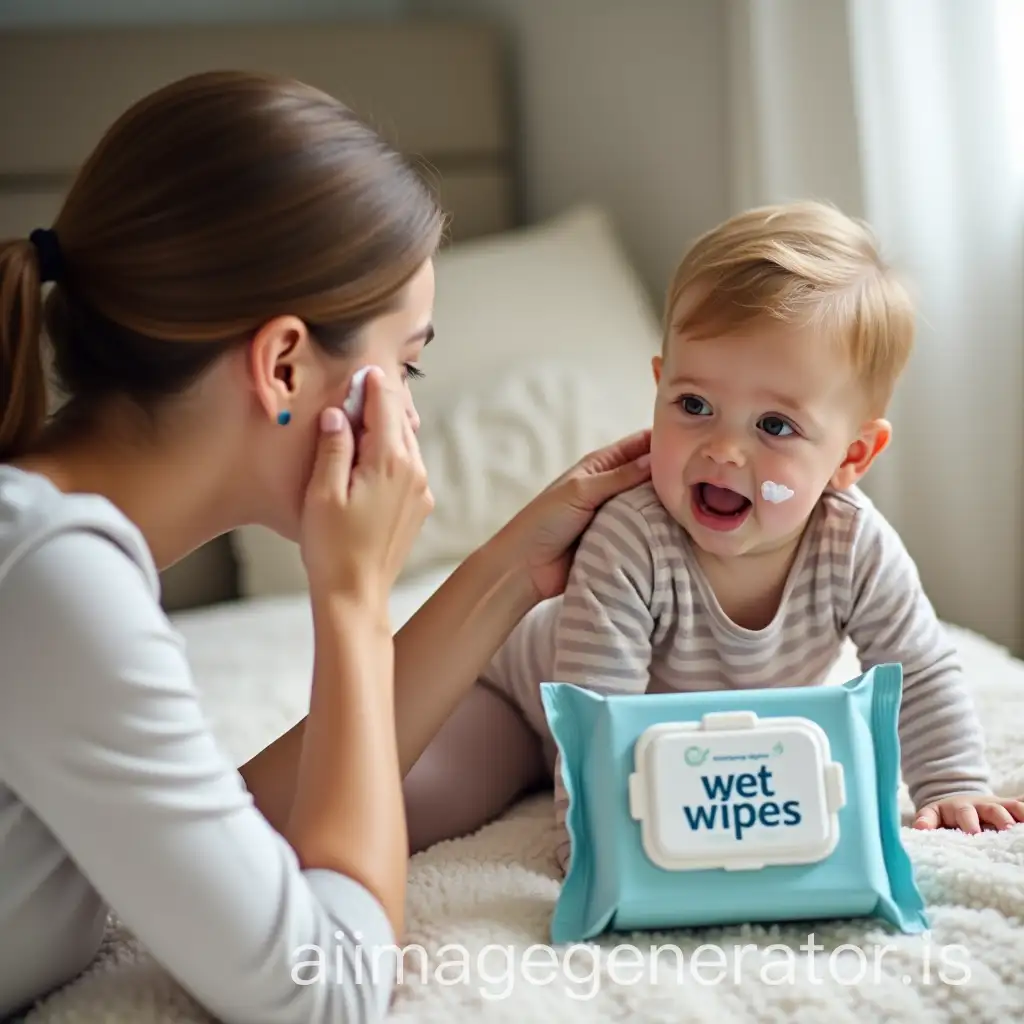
(736, 791)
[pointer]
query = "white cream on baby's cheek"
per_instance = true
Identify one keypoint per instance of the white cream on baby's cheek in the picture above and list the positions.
(775, 492)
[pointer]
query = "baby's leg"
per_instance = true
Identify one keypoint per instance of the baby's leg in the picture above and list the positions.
(483, 758)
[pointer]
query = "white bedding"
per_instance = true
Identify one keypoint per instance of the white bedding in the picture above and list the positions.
(477, 904)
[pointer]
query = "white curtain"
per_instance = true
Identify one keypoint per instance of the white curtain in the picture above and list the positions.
(911, 115)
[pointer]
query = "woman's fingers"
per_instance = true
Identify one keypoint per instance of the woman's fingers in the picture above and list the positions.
(419, 469)
(332, 464)
(619, 453)
(602, 486)
(327, 494)
(411, 444)
(383, 418)
(609, 471)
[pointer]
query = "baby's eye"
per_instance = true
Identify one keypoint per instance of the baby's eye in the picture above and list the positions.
(410, 371)
(693, 406)
(776, 426)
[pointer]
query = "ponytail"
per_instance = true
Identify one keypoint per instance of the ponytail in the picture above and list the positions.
(161, 267)
(23, 393)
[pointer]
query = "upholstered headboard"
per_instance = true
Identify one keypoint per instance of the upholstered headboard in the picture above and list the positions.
(436, 90)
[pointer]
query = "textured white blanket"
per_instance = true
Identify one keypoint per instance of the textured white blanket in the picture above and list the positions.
(479, 907)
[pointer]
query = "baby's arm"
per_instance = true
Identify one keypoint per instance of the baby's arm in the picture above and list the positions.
(606, 621)
(892, 620)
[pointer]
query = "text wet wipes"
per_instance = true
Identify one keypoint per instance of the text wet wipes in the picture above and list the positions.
(723, 807)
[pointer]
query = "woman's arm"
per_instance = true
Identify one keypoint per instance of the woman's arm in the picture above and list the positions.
(444, 647)
(347, 813)
(437, 656)
(102, 735)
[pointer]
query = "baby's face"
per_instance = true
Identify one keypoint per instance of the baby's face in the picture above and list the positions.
(767, 406)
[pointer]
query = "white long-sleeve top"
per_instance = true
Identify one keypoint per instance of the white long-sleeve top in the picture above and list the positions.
(114, 795)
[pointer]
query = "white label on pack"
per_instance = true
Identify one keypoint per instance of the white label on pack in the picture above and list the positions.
(735, 791)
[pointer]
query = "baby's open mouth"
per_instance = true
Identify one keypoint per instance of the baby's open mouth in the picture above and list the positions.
(720, 502)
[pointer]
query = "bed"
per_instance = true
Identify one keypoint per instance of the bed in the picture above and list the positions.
(544, 340)
(477, 905)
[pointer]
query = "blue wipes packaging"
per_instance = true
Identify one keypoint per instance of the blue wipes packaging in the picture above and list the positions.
(726, 807)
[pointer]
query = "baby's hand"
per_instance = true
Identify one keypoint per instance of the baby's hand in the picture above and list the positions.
(970, 812)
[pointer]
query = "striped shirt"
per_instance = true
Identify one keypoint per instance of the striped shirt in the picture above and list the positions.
(639, 615)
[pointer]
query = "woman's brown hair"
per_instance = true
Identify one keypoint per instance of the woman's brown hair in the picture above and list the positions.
(209, 207)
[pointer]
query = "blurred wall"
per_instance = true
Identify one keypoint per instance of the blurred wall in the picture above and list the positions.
(621, 103)
(624, 103)
(67, 13)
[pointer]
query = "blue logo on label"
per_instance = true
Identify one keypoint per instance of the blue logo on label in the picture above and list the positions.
(738, 815)
(695, 755)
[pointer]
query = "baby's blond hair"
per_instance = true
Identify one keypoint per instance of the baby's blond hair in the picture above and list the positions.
(807, 264)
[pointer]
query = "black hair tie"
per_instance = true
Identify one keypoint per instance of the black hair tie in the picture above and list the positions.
(51, 265)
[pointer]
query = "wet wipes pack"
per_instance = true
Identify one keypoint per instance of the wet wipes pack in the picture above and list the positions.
(725, 807)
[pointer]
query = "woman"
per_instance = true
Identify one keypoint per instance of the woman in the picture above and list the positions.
(232, 252)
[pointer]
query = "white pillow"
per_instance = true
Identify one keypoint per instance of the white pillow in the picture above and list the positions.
(543, 350)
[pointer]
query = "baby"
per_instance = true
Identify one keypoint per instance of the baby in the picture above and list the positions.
(752, 555)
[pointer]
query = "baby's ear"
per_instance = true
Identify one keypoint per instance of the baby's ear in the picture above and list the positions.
(872, 439)
(656, 367)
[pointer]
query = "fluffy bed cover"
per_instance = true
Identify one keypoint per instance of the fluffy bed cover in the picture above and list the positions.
(479, 907)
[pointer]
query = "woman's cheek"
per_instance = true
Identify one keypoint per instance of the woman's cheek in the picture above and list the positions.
(412, 411)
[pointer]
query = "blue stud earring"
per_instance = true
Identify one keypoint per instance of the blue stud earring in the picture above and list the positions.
(284, 417)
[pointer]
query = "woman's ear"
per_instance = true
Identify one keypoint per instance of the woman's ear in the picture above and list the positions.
(872, 439)
(278, 364)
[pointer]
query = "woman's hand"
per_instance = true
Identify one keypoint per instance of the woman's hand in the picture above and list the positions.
(543, 535)
(363, 510)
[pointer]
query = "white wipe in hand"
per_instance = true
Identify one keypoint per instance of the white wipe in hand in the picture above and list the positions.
(771, 491)
(353, 404)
